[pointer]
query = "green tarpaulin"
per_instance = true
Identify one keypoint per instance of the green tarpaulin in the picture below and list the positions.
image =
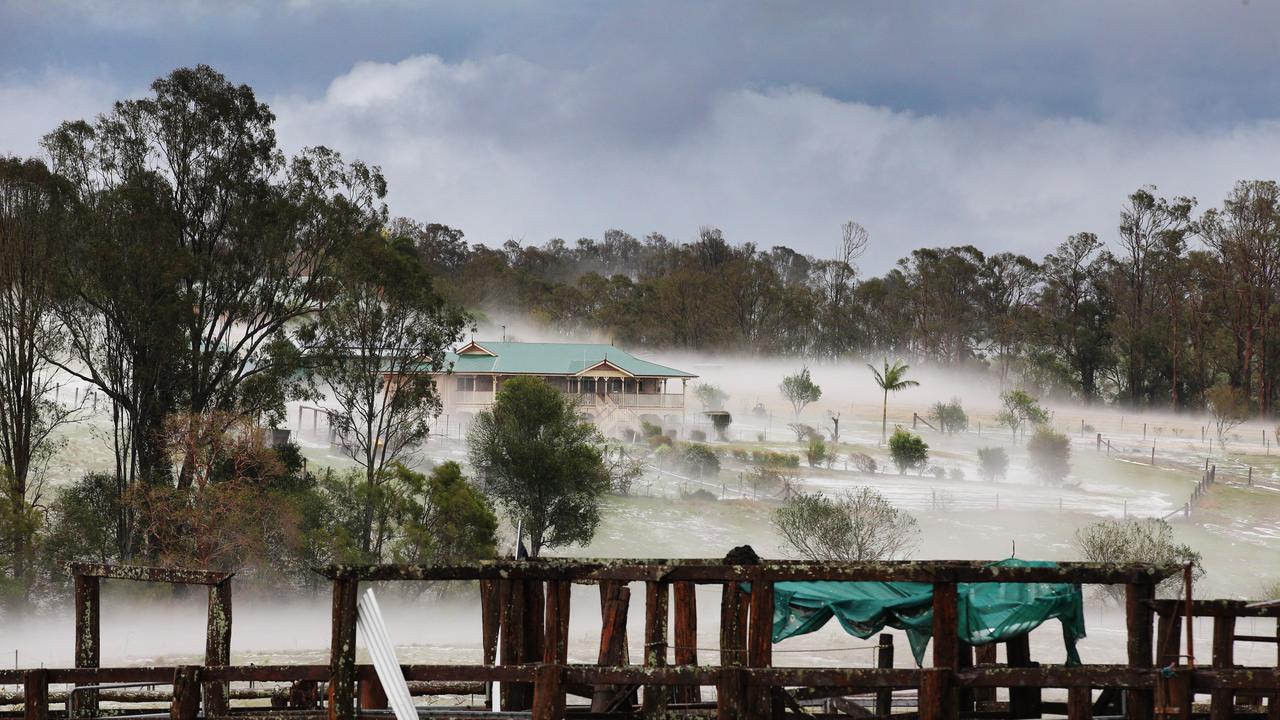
(987, 612)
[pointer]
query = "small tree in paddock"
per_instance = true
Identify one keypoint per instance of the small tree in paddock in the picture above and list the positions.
(816, 453)
(1147, 540)
(908, 450)
(1019, 408)
(993, 463)
(860, 525)
(1050, 453)
(1229, 409)
(950, 417)
(800, 390)
(540, 462)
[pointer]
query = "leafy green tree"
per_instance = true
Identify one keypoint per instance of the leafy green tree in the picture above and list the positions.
(36, 210)
(1050, 453)
(699, 459)
(1018, 408)
(442, 518)
(891, 379)
(908, 450)
(251, 234)
(993, 463)
(816, 452)
(800, 390)
(859, 526)
(382, 335)
(540, 462)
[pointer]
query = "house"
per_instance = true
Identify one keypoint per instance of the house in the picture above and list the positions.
(613, 387)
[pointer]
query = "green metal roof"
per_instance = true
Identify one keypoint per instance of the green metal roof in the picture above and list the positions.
(522, 358)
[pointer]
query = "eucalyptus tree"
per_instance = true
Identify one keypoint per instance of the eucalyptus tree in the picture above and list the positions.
(893, 378)
(382, 335)
(248, 234)
(35, 212)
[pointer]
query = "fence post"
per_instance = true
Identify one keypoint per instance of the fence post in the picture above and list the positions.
(342, 650)
(186, 693)
(548, 693)
(615, 598)
(35, 694)
(1079, 703)
(936, 701)
(1024, 702)
(217, 650)
(1138, 621)
(686, 636)
(88, 650)
(1224, 631)
(884, 660)
(946, 652)
(760, 644)
(655, 644)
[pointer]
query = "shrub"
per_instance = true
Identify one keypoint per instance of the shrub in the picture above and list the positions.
(699, 495)
(938, 472)
(1050, 453)
(649, 429)
(861, 525)
(993, 463)
(803, 432)
(699, 459)
(697, 436)
(955, 474)
(1147, 540)
(775, 459)
(950, 417)
(863, 462)
(816, 452)
(656, 441)
(908, 450)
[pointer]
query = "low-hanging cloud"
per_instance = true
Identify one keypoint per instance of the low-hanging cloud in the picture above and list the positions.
(506, 148)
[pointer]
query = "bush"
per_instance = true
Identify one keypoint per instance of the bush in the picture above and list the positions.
(861, 525)
(697, 436)
(1050, 453)
(908, 450)
(699, 495)
(699, 459)
(740, 454)
(1148, 540)
(816, 453)
(955, 474)
(656, 441)
(649, 429)
(803, 432)
(775, 459)
(863, 462)
(950, 417)
(938, 472)
(993, 463)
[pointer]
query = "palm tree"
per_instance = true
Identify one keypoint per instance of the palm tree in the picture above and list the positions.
(891, 380)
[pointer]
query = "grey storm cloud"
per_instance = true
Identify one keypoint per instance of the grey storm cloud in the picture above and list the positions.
(1004, 125)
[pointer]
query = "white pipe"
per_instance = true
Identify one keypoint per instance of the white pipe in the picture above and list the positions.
(376, 638)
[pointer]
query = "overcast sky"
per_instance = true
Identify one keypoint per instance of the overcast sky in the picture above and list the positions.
(1007, 125)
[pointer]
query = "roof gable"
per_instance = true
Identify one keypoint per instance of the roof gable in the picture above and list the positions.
(517, 358)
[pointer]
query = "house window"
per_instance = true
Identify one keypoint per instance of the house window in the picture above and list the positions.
(588, 385)
(615, 384)
(484, 383)
(466, 383)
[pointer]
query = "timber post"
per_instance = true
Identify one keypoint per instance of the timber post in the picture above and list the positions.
(615, 598)
(1224, 631)
(1024, 702)
(655, 643)
(1138, 621)
(1169, 639)
(731, 685)
(555, 647)
(514, 650)
(686, 636)
(35, 694)
(984, 655)
(1079, 703)
(342, 649)
(946, 650)
(370, 693)
(217, 650)
(760, 644)
(88, 650)
(548, 693)
(186, 693)
(884, 661)
(490, 620)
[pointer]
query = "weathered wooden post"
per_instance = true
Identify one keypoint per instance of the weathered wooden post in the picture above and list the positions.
(370, 693)
(615, 598)
(1169, 637)
(217, 649)
(1138, 621)
(35, 694)
(186, 693)
(985, 655)
(88, 651)
(760, 644)
(514, 651)
(655, 643)
(490, 621)
(1079, 703)
(548, 693)
(555, 647)
(732, 686)
(1024, 702)
(1173, 695)
(342, 649)
(936, 684)
(1224, 631)
(936, 694)
(686, 636)
(884, 660)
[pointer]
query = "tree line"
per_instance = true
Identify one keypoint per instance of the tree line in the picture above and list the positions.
(1155, 313)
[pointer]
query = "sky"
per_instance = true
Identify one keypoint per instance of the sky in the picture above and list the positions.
(1005, 125)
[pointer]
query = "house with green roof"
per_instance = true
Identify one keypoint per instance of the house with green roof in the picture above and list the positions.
(612, 386)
